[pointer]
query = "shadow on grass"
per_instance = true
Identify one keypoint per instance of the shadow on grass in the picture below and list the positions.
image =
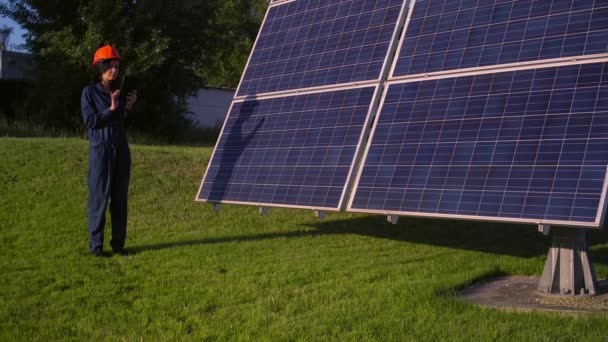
(227, 239)
(487, 237)
(599, 256)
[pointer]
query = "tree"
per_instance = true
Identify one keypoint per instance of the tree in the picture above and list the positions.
(172, 47)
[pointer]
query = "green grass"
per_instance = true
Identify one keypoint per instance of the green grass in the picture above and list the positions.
(198, 275)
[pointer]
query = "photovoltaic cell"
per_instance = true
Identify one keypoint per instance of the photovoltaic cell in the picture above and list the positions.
(529, 144)
(447, 35)
(306, 44)
(290, 150)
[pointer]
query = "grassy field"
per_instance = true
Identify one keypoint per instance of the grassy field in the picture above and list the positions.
(199, 275)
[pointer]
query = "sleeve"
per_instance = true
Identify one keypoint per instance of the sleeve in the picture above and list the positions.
(91, 116)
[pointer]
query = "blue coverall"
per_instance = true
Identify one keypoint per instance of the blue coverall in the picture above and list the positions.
(109, 166)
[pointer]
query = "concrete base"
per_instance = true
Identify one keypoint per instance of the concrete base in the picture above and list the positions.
(568, 270)
(520, 293)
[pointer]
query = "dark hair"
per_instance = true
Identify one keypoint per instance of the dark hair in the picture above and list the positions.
(103, 65)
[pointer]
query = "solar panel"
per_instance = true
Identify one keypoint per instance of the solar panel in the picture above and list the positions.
(447, 35)
(526, 145)
(296, 150)
(304, 44)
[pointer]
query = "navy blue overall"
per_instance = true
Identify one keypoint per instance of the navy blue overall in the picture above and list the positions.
(109, 166)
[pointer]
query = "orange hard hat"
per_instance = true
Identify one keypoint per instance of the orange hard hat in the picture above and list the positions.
(105, 52)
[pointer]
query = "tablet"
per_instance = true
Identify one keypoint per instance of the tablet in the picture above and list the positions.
(126, 85)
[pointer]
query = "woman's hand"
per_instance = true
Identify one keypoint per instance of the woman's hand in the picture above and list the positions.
(114, 97)
(131, 98)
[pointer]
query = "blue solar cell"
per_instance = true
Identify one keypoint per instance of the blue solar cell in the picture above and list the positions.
(323, 42)
(529, 144)
(447, 35)
(291, 150)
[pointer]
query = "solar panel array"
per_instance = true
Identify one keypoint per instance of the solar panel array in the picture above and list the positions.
(526, 144)
(494, 110)
(305, 44)
(447, 35)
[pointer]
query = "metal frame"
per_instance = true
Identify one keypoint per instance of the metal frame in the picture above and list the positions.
(381, 78)
(479, 71)
(545, 63)
(364, 139)
(601, 212)
(352, 167)
(410, 11)
(278, 2)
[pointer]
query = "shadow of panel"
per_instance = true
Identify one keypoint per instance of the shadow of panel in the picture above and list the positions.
(488, 237)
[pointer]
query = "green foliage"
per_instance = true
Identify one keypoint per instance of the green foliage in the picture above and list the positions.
(172, 48)
(199, 275)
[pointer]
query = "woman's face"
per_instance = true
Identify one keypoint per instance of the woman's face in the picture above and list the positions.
(112, 73)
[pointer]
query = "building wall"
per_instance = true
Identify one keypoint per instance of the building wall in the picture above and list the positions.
(210, 106)
(15, 66)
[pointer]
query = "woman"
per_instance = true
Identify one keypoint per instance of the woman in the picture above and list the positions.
(104, 113)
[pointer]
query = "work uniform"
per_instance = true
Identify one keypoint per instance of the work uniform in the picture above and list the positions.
(109, 166)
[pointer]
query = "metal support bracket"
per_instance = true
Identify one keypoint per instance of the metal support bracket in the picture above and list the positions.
(392, 218)
(568, 269)
(263, 211)
(545, 229)
(217, 207)
(319, 214)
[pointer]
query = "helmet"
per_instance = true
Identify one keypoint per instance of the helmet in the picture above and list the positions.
(105, 52)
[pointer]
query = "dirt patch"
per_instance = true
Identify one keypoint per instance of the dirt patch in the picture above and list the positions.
(520, 293)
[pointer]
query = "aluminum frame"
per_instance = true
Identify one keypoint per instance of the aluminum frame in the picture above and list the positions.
(602, 207)
(279, 2)
(545, 63)
(395, 36)
(410, 11)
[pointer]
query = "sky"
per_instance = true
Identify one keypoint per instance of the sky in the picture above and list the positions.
(16, 37)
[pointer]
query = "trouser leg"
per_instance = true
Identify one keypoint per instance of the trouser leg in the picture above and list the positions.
(99, 187)
(118, 197)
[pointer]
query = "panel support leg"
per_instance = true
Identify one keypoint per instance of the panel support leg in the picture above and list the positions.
(217, 207)
(568, 270)
(392, 219)
(263, 211)
(319, 214)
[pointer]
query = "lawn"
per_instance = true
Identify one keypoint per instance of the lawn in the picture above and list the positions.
(199, 275)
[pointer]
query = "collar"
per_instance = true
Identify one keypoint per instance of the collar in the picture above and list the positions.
(100, 87)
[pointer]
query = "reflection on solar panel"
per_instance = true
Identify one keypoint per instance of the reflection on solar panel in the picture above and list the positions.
(289, 150)
(305, 44)
(447, 35)
(529, 145)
